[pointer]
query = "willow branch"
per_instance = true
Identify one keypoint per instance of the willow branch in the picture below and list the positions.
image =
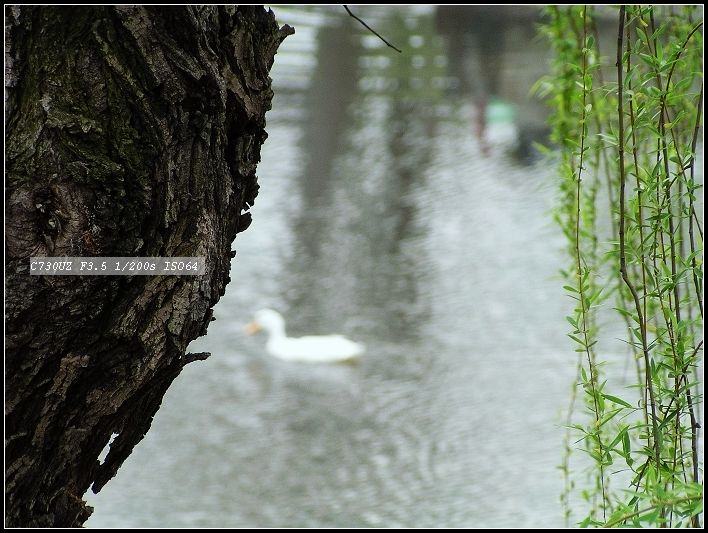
(623, 253)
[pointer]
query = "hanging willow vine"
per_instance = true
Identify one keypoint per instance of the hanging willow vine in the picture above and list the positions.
(628, 126)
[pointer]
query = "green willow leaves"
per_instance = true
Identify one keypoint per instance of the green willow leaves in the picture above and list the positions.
(626, 90)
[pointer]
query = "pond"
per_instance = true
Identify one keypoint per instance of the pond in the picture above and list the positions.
(400, 205)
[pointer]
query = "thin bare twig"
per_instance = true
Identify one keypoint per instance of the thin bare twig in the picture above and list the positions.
(373, 31)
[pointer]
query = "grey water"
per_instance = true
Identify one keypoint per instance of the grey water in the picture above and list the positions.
(400, 205)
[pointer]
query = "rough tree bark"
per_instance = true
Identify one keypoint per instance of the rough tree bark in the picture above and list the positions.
(131, 131)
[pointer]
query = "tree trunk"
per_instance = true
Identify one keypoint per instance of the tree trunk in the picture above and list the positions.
(131, 131)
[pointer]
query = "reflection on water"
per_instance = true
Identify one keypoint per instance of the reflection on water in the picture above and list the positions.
(387, 214)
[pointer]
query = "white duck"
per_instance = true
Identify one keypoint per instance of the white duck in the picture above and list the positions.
(311, 349)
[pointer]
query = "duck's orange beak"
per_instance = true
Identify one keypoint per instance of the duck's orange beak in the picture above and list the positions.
(253, 327)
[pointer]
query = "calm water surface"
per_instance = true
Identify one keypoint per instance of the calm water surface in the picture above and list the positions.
(391, 212)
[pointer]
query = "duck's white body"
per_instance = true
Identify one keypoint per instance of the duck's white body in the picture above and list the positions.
(311, 349)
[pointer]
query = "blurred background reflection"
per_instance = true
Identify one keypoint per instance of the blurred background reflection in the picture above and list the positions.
(402, 205)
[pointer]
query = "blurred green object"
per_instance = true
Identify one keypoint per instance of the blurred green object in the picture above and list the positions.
(500, 112)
